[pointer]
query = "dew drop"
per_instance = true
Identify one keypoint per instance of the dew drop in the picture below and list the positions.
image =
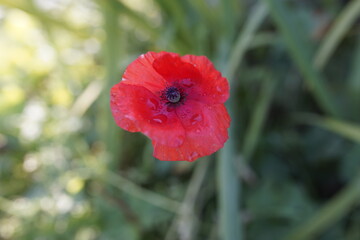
(125, 125)
(194, 155)
(188, 83)
(219, 88)
(198, 130)
(195, 119)
(159, 119)
(152, 103)
(179, 140)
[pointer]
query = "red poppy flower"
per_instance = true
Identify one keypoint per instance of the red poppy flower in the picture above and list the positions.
(178, 102)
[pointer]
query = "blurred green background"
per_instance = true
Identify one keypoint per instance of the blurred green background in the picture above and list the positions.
(291, 169)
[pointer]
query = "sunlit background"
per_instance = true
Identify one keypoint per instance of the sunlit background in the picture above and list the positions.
(291, 169)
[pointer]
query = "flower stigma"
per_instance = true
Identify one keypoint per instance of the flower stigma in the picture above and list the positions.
(173, 94)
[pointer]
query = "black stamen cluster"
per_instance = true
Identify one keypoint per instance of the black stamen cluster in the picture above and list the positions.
(173, 95)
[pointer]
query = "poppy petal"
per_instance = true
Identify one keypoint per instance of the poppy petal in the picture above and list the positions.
(213, 88)
(206, 132)
(136, 109)
(173, 69)
(141, 73)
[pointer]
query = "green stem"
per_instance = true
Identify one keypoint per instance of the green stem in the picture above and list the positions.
(258, 118)
(229, 184)
(107, 128)
(244, 39)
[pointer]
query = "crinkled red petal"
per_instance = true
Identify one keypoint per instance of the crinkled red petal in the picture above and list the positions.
(206, 132)
(142, 73)
(137, 109)
(213, 88)
(173, 69)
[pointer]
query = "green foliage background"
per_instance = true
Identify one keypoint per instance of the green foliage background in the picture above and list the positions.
(290, 170)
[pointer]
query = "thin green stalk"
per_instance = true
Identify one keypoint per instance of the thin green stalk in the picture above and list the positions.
(258, 118)
(353, 84)
(229, 184)
(107, 128)
(328, 215)
(229, 190)
(244, 40)
(155, 199)
(354, 79)
(342, 24)
(265, 39)
(229, 17)
(300, 51)
(185, 216)
(348, 130)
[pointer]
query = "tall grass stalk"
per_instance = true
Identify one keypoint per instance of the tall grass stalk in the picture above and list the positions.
(112, 52)
(229, 184)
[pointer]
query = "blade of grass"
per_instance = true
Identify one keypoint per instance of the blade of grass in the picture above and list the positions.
(108, 131)
(86, 98)
(229, 10)
(353, 84)
(123, 184)
(342, 24)
(300, 51)
(354, 81)
(263, 39)
(345, 129)
(229, 191)
(229, 184)
(244, 40)
(258, 118)
(333, 211)
(229, 19)
(185, 215)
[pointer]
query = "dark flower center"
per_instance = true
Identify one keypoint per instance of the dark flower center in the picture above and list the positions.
(173, 94)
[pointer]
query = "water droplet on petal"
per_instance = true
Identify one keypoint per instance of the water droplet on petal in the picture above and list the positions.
(220, 88)
(198, 130)
(195, 119)
(125, 125)
(152, 103)
(194, 155)
(188, 83)
(158, 119)
(179, 140)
